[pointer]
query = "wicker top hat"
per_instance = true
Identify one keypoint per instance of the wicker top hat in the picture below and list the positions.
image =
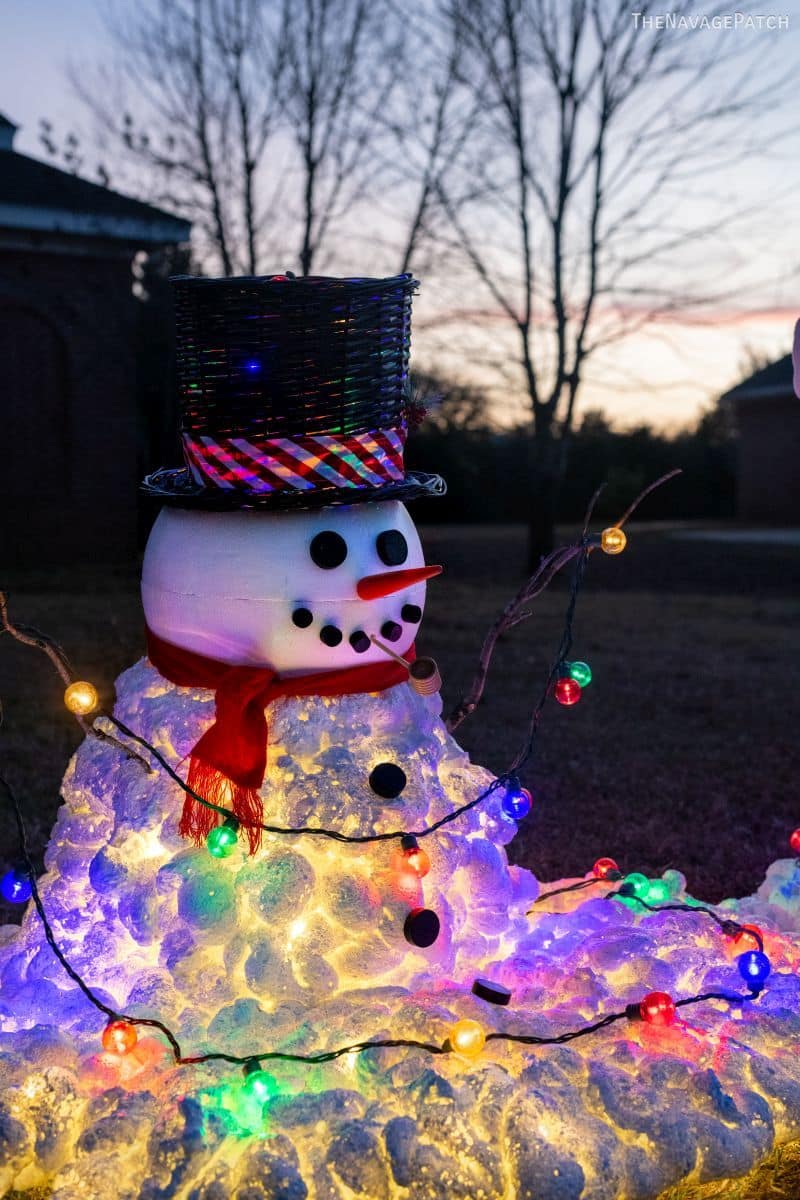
(294, 393)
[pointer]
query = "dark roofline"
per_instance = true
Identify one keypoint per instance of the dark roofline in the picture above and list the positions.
(36, 196)
(776, 379)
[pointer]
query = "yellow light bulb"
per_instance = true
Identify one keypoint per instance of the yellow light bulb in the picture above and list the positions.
(613, 540)
(81, 698)
(467, 1038)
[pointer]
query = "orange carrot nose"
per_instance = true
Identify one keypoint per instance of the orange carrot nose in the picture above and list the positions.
(373, 586)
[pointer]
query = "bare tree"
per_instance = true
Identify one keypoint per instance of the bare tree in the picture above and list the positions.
(427, 130)
(339, 76)
(597, 122)
(191, 105)
(202, 88)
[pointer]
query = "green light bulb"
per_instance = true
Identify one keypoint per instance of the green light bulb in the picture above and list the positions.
(581, 672)
(222, 841)
(658, 892)
(260, 1086)
(640, 884)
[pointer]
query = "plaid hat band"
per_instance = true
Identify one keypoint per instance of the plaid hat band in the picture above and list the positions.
(258, 466)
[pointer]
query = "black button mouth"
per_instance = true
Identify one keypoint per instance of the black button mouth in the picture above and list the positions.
(359, 641)
(411, 613)
(330, 635)
(302, 617)
(391, 631)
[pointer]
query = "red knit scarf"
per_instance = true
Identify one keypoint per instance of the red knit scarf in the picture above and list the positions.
(228, 762)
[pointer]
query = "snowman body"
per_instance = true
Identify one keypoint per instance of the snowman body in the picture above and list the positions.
(230, 585)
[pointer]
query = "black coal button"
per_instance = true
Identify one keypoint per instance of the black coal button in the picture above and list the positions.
(495, 993)
(421, 927)
(387, 780)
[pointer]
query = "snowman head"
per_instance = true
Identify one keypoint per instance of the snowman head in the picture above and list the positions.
(298, 592)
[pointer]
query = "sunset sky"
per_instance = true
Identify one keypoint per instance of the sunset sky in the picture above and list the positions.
(663, 375)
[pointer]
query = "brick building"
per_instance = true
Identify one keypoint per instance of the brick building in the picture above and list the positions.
(767, 415)
(67, 360)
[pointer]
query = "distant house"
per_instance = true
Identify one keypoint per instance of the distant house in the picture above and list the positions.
(768, 418)
(67, 363)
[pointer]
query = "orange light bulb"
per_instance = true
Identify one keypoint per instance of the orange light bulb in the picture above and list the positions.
(613, 540)
(81, 698)
(413, 856)
(119, 1037)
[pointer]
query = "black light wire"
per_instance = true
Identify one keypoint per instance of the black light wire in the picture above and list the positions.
(728, 926)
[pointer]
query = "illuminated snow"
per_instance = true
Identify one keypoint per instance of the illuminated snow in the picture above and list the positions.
(301, 948)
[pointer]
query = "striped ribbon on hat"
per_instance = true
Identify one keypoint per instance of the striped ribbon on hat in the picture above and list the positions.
(358, 460)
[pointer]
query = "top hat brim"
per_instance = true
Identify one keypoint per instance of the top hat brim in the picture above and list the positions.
(178, 487)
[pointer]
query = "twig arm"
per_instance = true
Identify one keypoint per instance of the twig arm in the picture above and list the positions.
(32, 637)
(515, 611)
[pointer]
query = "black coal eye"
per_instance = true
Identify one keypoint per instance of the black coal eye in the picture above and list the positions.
(328, 549)
(392, 547)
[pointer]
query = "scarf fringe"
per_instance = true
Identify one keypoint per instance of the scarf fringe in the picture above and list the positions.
(197, 820)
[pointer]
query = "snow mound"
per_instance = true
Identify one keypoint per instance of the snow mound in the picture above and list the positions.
(301, 949)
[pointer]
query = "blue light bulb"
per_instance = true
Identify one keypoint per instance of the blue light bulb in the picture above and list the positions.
(253, 366)
(516, 803)
(16, 886)
(754, 967)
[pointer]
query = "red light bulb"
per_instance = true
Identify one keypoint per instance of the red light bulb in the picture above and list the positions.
(794, 841)
(658, 1008)
(752, 933)
(604, 867)
(414, 856)
(418, 861)
(119, 1037)
(567, 691)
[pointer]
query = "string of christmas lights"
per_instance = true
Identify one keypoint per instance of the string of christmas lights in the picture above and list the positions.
(466, 1038)
(604, 870)
(754, 965)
